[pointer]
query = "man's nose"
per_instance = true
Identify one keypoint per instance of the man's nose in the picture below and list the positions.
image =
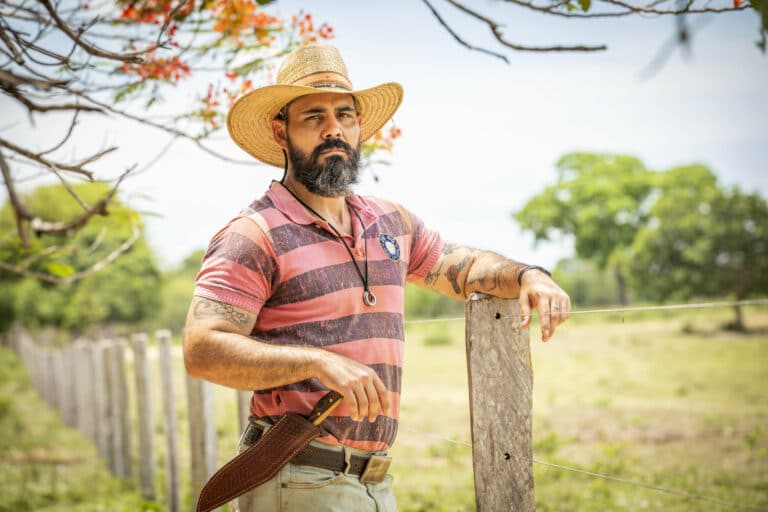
(332, 128)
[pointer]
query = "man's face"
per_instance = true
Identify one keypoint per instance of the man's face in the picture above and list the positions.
(323, 143)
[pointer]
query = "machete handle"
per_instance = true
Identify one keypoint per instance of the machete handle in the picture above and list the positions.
(324, 407)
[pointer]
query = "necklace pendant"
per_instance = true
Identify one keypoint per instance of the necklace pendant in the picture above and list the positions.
(369, 298)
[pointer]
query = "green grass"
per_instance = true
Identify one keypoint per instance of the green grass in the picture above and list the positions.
(637, 399)
(665, 399)
(45, 466)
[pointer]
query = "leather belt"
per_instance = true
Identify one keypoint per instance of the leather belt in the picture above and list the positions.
(314, 456)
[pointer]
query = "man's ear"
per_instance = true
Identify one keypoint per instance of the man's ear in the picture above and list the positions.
(279, 133)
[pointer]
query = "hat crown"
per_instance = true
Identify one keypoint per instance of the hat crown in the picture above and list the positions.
(322, 61)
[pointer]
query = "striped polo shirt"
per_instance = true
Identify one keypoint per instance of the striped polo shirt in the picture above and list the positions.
(287, 266)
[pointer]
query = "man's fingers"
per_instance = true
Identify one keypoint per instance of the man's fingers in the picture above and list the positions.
(362, 404)
(383, 395)
(525, 310)
(374, 407)
(546, 319)
(351, 399)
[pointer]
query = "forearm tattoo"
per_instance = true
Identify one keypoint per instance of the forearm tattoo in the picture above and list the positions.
(432, 277)
(453, 274)
(205, 308)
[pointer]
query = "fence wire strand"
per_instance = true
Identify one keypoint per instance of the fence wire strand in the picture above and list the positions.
(667, 307)
(635, 483)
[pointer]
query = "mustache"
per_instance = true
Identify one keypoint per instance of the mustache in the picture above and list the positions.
(332, 144)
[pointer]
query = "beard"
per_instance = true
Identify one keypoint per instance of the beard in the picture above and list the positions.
(335, 177)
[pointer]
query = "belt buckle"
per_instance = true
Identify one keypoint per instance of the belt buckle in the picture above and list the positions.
(376, 469)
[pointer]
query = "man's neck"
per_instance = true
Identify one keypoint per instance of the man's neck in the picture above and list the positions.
(332, 209)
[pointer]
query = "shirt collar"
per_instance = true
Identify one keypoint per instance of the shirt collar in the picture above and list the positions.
(298, 214)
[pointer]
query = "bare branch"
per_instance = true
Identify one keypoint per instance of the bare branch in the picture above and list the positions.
(36, 107)
(197, 140)
(71, 129)
(459, 39)
(8, 78)
(76, 37)
(675, 12)
(67, 228)
(495, 29)
(12, 47)
(37, 158)
(19, 208)
(123, 248)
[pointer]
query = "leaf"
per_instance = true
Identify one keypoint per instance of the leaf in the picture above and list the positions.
(249, 67)
(585, 4)
(59, 269)
(127, 91)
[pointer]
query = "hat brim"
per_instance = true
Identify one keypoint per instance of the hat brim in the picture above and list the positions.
(249, 121)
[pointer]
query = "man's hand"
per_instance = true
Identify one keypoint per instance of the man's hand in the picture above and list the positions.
(363, 390)
(539, 291)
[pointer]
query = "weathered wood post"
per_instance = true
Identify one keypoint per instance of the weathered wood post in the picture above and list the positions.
(169, 407)
(243, 407)
(100, 406)
(144, 415)
(202, 433)
(84, 391)
(500, 398)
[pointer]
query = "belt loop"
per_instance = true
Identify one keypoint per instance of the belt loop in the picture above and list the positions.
(347, 459)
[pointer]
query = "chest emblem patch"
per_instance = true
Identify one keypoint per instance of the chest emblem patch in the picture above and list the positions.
(390, 246)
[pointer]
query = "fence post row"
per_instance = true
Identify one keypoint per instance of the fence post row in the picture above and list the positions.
(140, 342)
(500, 393)
(96, 400)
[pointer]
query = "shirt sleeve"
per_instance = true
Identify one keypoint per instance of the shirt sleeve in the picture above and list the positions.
(239, 268)
(426, 245)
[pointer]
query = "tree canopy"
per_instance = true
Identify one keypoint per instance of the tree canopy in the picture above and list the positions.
(57, 293)
(670, 235)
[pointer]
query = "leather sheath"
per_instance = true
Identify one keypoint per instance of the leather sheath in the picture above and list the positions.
(259, 462)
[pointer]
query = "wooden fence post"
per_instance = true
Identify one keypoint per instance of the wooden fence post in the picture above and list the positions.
(119, 410)
(169, 407)
(243, 407)
(100, 407)
(84, 385)
(202, 433)
(500, 394)
(144, 415)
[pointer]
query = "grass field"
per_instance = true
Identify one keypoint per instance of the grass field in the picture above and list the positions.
(664, 399)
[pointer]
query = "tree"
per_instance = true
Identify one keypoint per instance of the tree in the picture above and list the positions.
(604, 9)
(121, 59)
(599, 199)
(702, 240)
(56, 293)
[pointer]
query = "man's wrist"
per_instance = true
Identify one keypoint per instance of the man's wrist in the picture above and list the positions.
(528, 268)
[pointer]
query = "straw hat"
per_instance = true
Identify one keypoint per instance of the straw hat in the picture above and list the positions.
(313, 69)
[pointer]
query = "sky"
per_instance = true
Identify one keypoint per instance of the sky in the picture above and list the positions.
(481, 137)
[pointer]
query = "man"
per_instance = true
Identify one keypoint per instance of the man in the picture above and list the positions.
(303, 292)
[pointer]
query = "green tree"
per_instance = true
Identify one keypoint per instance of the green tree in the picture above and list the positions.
(178, 287)
(79, 283)
(599, 199)
(702, 240)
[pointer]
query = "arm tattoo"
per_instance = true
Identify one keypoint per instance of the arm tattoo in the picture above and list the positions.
(450, 248)
(432, 277)
(453, 274)
(205, 308)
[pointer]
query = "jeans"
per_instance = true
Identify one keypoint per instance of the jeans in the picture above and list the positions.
(309, 489)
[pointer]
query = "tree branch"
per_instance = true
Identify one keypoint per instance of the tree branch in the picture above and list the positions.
(19, 208)
(459, 39)
(67, 228)
(37, 158)
(123, 248)
(495, 29)
(76, 37)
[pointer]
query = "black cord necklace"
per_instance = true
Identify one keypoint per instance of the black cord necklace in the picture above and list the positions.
(369, 299)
